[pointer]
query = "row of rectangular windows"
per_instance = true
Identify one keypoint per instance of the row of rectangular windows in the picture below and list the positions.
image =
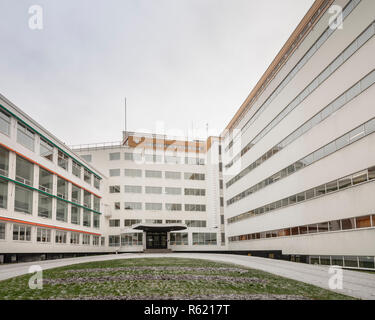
(159, 206)
(365, 262)
(352, 136)
(322, 77)
(26, 137)
(23, 203)
(329, 110)
(152, 158)
(130, 222)
(159, 190)
(173, 175)
(25, 174)
(322, 227)
(175, 239)
(325, 189)
(308, 55)
(44, 235)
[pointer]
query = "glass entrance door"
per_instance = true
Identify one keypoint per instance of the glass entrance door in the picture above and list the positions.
(156, 240)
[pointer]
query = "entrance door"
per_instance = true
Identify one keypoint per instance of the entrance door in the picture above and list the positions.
(156, 240)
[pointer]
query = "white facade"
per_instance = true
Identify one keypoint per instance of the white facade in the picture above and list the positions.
(292, 175)
(339, 76)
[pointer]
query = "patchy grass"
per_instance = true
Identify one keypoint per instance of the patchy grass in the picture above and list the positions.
(160, 278)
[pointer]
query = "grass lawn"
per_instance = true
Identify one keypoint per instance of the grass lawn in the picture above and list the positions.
(161, 278)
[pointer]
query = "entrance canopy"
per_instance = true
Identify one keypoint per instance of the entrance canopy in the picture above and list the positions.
(150, 227)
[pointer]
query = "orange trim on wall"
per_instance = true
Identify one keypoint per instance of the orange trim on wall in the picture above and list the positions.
(46, 226)
(45, 168)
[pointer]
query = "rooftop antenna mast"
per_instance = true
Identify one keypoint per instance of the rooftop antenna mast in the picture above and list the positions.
(125, 117)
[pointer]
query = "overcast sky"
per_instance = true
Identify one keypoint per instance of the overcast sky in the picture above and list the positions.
(184, 63)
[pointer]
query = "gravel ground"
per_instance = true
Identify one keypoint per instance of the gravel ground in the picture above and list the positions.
(155, 277)
(197, 297)
(149, 268)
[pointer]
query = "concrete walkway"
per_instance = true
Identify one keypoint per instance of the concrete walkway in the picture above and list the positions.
(355, 284)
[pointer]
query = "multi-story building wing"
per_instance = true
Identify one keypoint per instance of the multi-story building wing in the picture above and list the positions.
(161, 192)
(50, 198)
(300, 162)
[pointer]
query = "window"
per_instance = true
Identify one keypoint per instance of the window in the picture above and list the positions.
(153, 174)
(133, 156)
(96, 220)
(46, 149)
(61, 211)
(75, 215)
(132, 239)
(133, 189)
(363, 222)
(45, 206)
(173, 191)
(194, 176)
(24, 171)
(154, 221)
(133, 173)
(114, 189)
(195, 207)
(87, 157)
(87, 199)
(45, 180)
(62, 188)
(2, 231)
(173, 206)
(25, 136)
(86, 239)
(114, 172)
(21, 233)
(331, 186)
(195, 192)
(43, 235)
(153, 158)
(60, 236)
(76, 169)
(96, 203)
(96, 182)
(371, 173)
(114, 241)
(154, 206)
(196, 223)
(154, 190)
(102, 241)
(334, 225)
(62, 160)
(74, 238)
(348, 224)
(23, 201)
(86, 218)
(345, 182)
(76, 194)
(204, 239)
(3, 194)
(172, 175)
(173, 221)
(114, 156)
(4, 162)
(117, 206)
(133, 206)
(360, 177)
(131, 222)
(4, 122)
(172, 160)
(95, 240)
(178, 239)
(87, 176)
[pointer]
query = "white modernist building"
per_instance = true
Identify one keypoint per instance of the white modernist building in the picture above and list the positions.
(291, 177)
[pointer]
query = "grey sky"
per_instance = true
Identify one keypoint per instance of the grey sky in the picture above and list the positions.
(177, 61)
